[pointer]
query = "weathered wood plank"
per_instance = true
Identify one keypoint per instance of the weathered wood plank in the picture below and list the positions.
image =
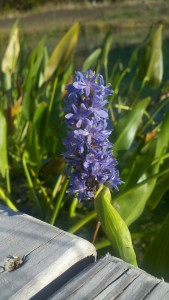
(112, 278)
(55, 256)
(161, 291)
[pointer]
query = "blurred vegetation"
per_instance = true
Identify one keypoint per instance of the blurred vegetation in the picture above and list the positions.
(21, 4)
(32, 169)
(30, 4)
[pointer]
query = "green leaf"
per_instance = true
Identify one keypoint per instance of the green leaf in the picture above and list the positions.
(142, 161)
(151, 63)
(160, 189)
(107, 44)
(31, 83)
(91, 61)
(161, 148)
(156, 259)
(118, 79)
(39, 122)
(90, 216)
(7, 201)
(114, 226)
(39, 112)
(131, 202)
(163, 137)
(3, 145)
(11, 55)
(125, 131)
(63, 52)
(32, 146)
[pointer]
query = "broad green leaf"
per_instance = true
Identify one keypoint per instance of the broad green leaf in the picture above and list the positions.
(156, 259)
(63, 52)
(10, 58)
(131, 202)
(151, 64)
(125, 131)
(114, 226)
(3, 145)
(92, 60)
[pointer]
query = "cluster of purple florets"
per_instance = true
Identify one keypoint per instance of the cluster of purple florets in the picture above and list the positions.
(89, 152)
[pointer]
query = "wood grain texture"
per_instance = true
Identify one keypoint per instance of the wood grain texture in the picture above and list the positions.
(112, 278)
(55, 256)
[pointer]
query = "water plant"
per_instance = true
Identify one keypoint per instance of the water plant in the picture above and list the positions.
(89, 151)
(32, 127)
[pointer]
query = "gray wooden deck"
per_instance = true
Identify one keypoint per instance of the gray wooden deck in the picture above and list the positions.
(55, 256)
(61, 266)
(112, 278)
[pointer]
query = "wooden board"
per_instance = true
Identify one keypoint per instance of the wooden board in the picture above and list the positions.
(55, 256)
(112, 278)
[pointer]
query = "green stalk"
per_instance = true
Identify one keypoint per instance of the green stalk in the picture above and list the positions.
(102, 244)
(7, 201)
(43, 190)
(58, 204)
(73, 206)
(55, 190)
(90, 216)
(7, 81)
(49, 111)
(30, 183)
(162, 104)
(121, 106)
(155, 176)
(106, 72)
(116, 88)
(136, 235)
(139, 92)
(8, 182)
(53, 96)
(22, 129)
(112, 114)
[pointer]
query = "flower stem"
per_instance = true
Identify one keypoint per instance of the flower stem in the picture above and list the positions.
(58, 204)
(30, 183)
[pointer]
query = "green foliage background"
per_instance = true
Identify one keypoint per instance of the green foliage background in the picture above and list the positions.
(32, 168)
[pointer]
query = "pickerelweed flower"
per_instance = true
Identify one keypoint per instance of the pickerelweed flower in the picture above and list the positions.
(89, 153)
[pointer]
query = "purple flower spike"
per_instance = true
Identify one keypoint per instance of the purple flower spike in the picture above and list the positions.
(89, 155)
